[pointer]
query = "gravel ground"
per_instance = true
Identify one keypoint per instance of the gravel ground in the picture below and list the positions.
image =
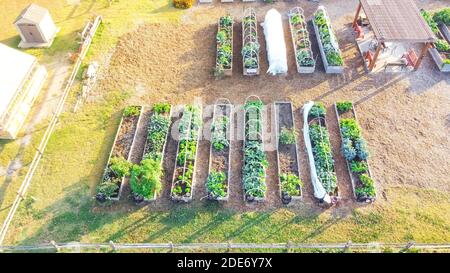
(405, 117)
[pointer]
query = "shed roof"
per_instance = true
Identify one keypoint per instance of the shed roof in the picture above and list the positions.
(14, 70)
(33, 13)
(397, 20)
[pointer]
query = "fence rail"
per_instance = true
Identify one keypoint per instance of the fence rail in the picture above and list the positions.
(86, 42)
(346, 246)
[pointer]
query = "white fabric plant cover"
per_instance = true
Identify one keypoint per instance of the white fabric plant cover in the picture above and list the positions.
(319, 190)
(275, 44)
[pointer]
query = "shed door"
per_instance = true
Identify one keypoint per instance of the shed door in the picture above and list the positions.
(31, 33)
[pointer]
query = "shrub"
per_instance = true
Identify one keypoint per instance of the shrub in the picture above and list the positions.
(132, 111)
(442, 45)
(361, 149)
(431, 23)
(318, 110)
(347, 149)
(359, 167)
(145, 179)
(290, 184)
(215, 184)
(344, 106)
(183, 4)
(288, 136)
(442, 16)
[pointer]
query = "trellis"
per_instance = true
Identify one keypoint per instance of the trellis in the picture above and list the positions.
(321, 121)
(188, 136)
(250, 45)
(256, 116)
(301, 41)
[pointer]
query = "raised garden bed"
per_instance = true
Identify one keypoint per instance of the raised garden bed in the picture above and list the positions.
(302, 44)
(146, 177)
(321, 151)
(220, 153)
(184, 172)
(328, 45)
(250, 45)
(255, 162)
(287, 154)
(354, 150)
(440, 50)
(118, 166)
(224, 40)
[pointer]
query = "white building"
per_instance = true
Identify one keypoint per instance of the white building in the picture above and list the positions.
(21, 79)
(36, 27)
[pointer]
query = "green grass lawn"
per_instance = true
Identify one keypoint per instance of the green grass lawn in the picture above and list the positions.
(60, 206)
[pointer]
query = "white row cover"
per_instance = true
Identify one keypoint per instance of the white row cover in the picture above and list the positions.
(275, 44)
(319, 190)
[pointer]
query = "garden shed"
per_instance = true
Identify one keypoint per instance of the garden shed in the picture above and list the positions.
(36, 27)
(387, 31)
(21, 79)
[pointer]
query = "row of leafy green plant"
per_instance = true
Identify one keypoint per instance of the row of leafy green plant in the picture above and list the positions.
(433, 21)
(224, 40)
(327, 38)
(321, 147)
(189, 129)
(250, 47)
(354, 150)
(216, 183)
(145, 180)
(300, 36)
(255, 162)
(117, 167)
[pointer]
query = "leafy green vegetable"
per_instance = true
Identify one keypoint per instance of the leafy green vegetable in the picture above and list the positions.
(359, 167)
(216, 185)
(161, 108)
(219, 133)
(442, 45)
(318, 110)
(131, 111)
(323, 157)
(367, 189)
(350, 128)
(344, 106)
(290, 184)
(288, 136)
(120, 166)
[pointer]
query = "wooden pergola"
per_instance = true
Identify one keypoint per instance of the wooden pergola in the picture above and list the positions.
(396, 21)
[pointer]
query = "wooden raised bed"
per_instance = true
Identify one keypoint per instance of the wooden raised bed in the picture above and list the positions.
(438, 56)
(180, 176)
(332, 69)
(300, 39)
(122, 147)
(287, 154)
(258, 137)
(148, 148)
(250, 40)
(353, 177)
(219, 161)
(334, 195)
(227, 71)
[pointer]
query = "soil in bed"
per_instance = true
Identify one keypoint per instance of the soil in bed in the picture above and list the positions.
(287, 152)
(124, 140)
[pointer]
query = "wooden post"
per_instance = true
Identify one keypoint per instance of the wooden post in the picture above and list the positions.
(358, 10)
(375, 57)
(422, 54)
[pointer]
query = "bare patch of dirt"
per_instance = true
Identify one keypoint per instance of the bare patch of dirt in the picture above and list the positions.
(404, 116)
